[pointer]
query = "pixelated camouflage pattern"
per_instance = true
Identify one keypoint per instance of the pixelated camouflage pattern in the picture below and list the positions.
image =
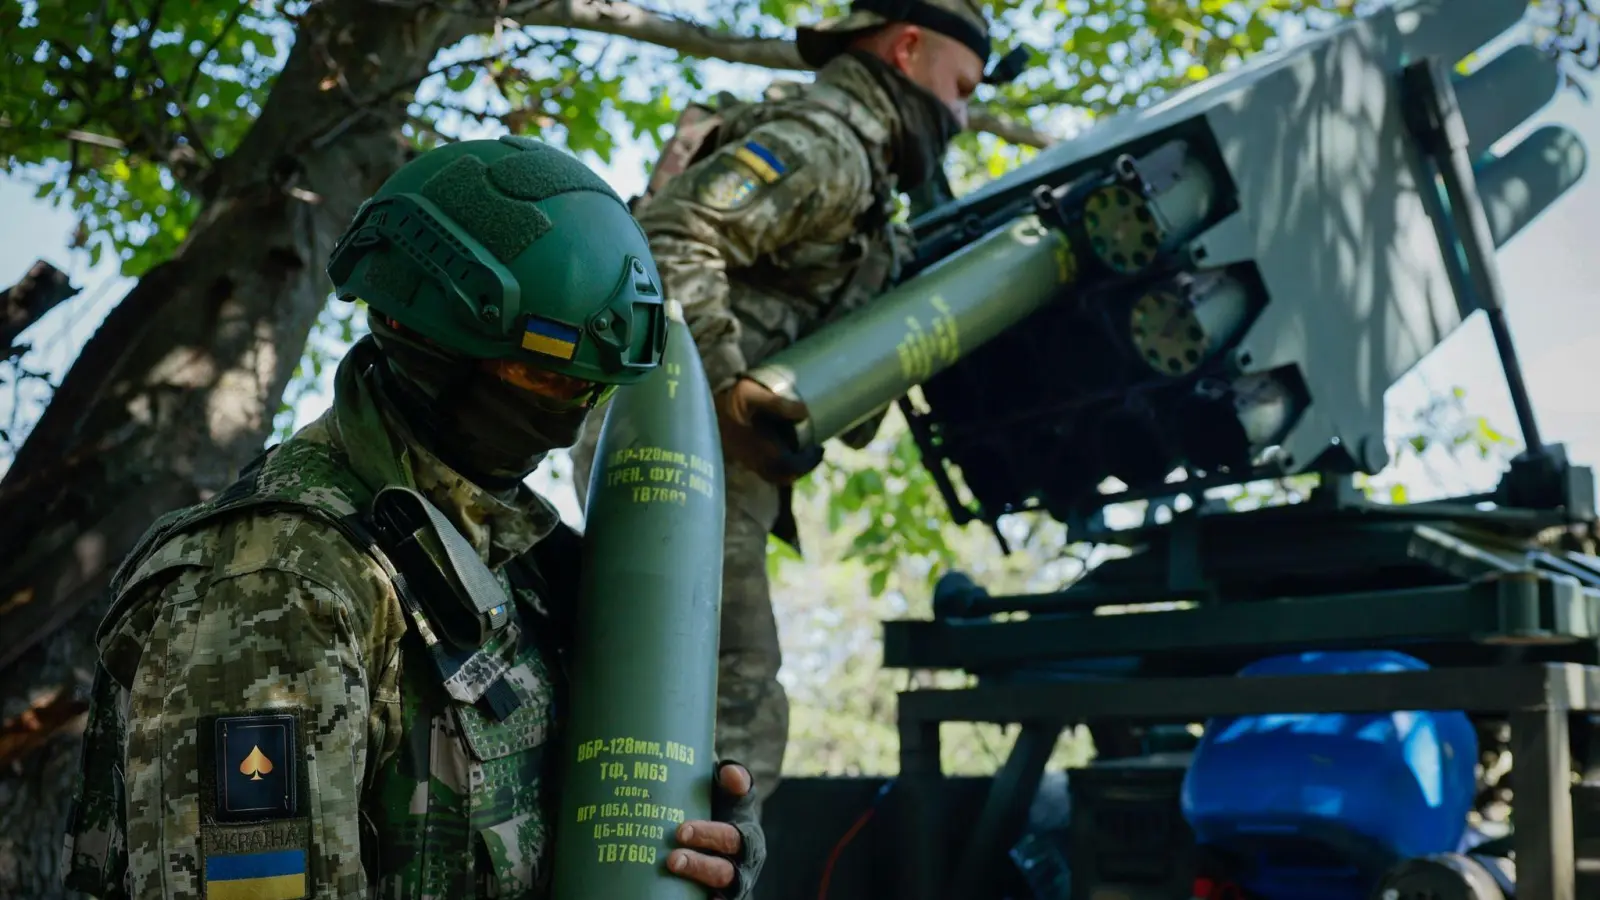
(752, 706)
(439, 809)
(759, 268)
(96, 852)
(494, 659)
(259, 601)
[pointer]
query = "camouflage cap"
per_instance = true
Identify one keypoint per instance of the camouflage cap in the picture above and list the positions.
(961, 20)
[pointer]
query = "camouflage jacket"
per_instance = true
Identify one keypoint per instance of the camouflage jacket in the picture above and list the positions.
(273, 719)
(783, 222)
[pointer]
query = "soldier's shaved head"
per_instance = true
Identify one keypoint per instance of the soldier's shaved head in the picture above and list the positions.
(943, 66)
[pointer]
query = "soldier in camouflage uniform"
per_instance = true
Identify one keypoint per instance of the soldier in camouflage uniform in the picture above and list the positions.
(343, 676)
(779, 223)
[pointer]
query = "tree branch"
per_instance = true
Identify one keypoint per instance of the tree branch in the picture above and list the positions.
(216, 40)
(1009, 130)
(44, 288)
(629, 20)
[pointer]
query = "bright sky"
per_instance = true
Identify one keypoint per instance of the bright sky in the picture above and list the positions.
(1547, 270)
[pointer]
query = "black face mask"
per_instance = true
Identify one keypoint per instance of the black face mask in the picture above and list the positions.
(927, 126)
(491, 432)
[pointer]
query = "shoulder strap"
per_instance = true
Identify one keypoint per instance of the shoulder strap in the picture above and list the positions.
(694, 135)
(873, 135)
(168, 525)
(701, 129)
(872, 132)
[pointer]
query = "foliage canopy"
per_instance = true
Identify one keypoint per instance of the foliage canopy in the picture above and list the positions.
(130, 114)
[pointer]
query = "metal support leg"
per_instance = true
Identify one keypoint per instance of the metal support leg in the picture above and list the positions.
(920, 820)
(1434, 117)
(1541, 772)
(1005, 812)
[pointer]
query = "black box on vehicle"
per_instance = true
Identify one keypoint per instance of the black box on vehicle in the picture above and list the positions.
(1129, 840)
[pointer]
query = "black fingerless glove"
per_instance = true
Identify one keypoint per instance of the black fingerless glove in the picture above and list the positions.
(740, 812)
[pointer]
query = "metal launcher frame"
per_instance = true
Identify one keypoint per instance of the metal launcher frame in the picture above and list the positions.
(1510, 628)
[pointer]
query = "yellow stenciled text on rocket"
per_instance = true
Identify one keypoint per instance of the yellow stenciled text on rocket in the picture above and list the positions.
(639, 754)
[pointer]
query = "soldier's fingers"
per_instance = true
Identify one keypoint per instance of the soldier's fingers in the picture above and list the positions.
(716, 837)
(712, 871)
(768, 465)
(793, 410)
(735, 779)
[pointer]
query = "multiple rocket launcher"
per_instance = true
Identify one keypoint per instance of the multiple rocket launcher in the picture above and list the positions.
(1087, 239)
(1228, 280)
(1244, 267)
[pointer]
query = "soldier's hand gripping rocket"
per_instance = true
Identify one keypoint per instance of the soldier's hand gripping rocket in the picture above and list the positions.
(741, 407)
(726, 854)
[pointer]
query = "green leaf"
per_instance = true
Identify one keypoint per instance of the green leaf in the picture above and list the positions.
(878, 583)
(1258, 33)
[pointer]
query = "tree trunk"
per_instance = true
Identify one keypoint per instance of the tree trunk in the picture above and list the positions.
(178, 388)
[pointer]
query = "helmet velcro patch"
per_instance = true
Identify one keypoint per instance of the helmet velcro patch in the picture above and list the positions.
(542, 171)
(392, 277)
(504, 226)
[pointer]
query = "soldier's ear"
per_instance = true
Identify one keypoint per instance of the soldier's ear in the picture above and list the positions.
(906, 46)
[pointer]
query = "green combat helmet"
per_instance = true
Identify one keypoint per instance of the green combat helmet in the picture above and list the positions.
(509, 250)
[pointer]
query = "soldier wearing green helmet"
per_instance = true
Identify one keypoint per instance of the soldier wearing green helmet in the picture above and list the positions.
(343, 675)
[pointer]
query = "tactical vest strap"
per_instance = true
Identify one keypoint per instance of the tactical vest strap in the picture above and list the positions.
(692, 138)
(842, 104)
(167, 524)
(700, 131)
(873, 135)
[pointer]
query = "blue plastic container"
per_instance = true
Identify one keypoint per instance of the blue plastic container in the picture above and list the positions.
(1314, 807)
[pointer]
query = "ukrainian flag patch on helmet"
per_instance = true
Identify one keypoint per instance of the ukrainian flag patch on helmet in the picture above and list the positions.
(550, 338)
(766, 164)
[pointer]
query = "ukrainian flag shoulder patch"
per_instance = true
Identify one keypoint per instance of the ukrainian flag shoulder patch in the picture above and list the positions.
(766, 164)
(550, 337)
(276, 875)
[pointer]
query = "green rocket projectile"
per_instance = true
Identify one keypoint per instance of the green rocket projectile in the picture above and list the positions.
(853, 367)
(644, 678)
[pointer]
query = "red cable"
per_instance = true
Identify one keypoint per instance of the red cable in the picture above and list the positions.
(838, 849)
